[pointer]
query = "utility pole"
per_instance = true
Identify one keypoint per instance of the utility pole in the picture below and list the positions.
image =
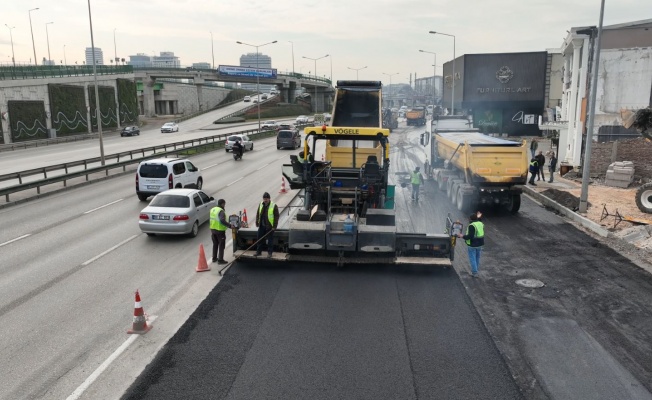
(32, 30)
(47, 36)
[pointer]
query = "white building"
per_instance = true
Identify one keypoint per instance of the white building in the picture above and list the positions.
(624, 82)
(166, 59)
(99, 56)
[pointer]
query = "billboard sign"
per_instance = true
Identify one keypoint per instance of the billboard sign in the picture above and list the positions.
(246, 72)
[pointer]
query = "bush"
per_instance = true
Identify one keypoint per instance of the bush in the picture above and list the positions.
(229, 120)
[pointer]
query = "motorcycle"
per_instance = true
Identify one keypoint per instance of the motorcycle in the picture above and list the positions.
(237, 153)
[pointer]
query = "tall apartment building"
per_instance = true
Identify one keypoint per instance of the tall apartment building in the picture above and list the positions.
(99, 56)
(262, 61)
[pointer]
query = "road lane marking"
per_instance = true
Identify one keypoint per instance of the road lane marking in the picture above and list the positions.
(237, 180)
(96, 374)
(100, 207)
(85, 263)
(210, 166)
(263, 167)
(14, 240)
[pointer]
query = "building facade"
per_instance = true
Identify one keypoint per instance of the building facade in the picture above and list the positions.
(254, 60)
(140, 60)
(624, 82)
(166, 59)
(429, 88)
(99, 56)
(504, 92)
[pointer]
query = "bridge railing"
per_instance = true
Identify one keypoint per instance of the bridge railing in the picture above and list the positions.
(59, 71)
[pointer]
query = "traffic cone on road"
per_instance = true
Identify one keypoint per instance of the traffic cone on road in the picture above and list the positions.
(202, 265)
(245, 221)
(283, 189)
(140, 321)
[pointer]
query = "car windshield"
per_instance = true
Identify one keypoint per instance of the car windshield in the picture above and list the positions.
(168, 124)
(234, 138)
(170, 201)
(285, 134)
(153, 171)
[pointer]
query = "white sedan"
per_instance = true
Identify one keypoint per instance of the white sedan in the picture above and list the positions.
(176, 212)
(170, 127)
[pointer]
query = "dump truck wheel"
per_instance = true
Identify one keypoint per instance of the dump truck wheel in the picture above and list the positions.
(644, 198)
(514, 204)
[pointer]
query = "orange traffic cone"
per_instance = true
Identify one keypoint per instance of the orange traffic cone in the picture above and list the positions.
(245, 221)
(283, 189)
(202, 265)
(140, 321)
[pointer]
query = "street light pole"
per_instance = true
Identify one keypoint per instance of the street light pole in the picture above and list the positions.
(356, 71)
(434, 72)
(212, 49)
(316, 76)
(115, 49)
(292, 43)
(257, 75)
(586, 168)
(98, 114)
(453, 81)
(13, 60)
(64, 55)
(32, 30)
(47, 36)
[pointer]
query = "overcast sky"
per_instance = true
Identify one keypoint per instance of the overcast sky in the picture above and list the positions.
(383, 35)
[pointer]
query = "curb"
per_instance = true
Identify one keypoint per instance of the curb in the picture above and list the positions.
(585, 222)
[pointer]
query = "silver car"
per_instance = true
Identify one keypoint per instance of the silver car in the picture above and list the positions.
(176, 212)
(245, 141)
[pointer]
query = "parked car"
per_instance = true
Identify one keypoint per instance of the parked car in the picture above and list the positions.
(288, 138)
(170, 127)
(176, 212)
(301, 119)
(130, 131)
(247, 99)
(160, 174)
(271, 124)
(244, 140)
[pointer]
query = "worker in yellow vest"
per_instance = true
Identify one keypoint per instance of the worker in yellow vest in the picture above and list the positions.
(416, 179)
(267, 221)
(474, 239)
(219, 225)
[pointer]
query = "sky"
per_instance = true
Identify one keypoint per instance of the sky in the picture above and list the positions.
(384, 36)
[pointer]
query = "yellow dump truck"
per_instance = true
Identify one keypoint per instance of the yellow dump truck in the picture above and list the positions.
(416, 116)
(475, 169)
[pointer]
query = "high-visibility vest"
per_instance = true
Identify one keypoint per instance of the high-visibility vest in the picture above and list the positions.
(270, 212)
(216, 224)
(479, 231)
(416, 178)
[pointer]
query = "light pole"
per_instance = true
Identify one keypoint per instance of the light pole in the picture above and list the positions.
(356, 71)
(47, 36)
(453, 81)
(13, 60)
(64, 55)
(292, 43)
(115, 49)
(315, 61)
(212, 49)
(98, 115)
(434, 72)
(586, 167)
(257, 74)
(390, 80)
(32, 30)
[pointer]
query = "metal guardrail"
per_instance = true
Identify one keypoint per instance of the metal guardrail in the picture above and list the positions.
(47, 142)
(156, 151)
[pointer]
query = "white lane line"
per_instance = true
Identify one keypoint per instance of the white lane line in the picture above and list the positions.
(210, 166)
(85, 263)
(282, 158)
(237, 180)
(263, 167)
(100, 207)
(93, 377)
(13, 240)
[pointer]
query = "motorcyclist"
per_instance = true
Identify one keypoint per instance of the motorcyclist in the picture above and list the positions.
(238, 148)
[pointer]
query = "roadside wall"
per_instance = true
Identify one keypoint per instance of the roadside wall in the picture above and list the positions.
(639, 151)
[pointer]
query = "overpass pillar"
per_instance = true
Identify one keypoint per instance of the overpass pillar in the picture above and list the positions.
(148, 97)
(199, 82)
